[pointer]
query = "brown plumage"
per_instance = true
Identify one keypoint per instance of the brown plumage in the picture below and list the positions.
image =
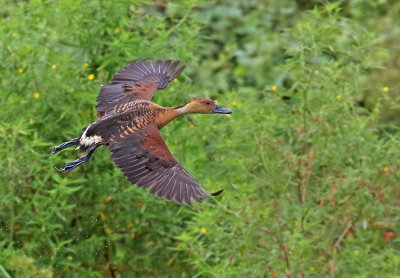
(129, 124)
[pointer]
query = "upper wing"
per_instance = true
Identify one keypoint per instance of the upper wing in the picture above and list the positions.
(138, 80)
(145, 160)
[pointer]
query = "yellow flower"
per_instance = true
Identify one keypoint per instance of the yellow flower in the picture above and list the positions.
(273, 88)
(234, 103)
(350, 235)
(385, 89)
(117, 30)
(175, 80)
(312, 268)
(387, 170)
(31, 121)
(338, 97)
(203, 230)
(53, 67)
(21, 70)
(36, 95)
(216, 101)
(191, 125)
(91, 76)
(85, 65)
(228, 115)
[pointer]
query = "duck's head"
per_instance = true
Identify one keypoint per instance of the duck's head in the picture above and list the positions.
(204, 106)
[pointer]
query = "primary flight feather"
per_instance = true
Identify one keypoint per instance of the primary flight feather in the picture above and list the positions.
(129, 125)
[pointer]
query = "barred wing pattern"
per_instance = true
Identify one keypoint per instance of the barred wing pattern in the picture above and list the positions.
(159, 74)
(145, 160)
(138, 80)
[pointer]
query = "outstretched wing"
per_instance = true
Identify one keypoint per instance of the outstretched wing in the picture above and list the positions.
(145, 160)
(138, 80)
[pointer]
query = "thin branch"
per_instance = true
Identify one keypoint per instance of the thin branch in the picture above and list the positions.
(4, 272)
(304, 178)
(285, 251)
(226, 209)
(341, 237)
(283, 245)
(110, 268)
(183, 19)
(299, 183)
(332, 263)
(307, 173)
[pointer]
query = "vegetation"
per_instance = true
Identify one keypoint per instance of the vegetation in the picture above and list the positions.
(309, 159)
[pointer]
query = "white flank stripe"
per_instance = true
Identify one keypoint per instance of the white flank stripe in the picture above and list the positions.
(87, 141)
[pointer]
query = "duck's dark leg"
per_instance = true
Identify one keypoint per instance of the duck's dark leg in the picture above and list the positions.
(69, 166)
(65, 145)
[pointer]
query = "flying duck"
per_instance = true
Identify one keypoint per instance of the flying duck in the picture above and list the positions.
(129, 125)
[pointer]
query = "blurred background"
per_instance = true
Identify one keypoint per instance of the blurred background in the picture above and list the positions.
(309, 159)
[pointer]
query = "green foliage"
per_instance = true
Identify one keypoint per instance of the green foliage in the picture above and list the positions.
(90, 222)
(21, 265)
(309, 159)
(316, 169)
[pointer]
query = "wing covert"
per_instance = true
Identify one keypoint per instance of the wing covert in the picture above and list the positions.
(145, 160)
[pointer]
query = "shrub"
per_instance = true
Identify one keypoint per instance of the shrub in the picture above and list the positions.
(56, 55)
(310, 184)
(310, 172)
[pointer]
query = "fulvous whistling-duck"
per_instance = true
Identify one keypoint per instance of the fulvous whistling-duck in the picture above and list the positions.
(129, 124)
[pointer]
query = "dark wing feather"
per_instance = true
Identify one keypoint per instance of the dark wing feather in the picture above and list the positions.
(145, 160)
(138, 80)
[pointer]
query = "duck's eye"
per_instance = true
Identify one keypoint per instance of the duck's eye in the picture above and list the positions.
(208, 102)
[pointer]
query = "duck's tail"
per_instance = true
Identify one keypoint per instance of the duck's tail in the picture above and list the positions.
(217, 193)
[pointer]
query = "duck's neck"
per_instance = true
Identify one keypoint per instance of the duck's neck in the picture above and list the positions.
(168, 114)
